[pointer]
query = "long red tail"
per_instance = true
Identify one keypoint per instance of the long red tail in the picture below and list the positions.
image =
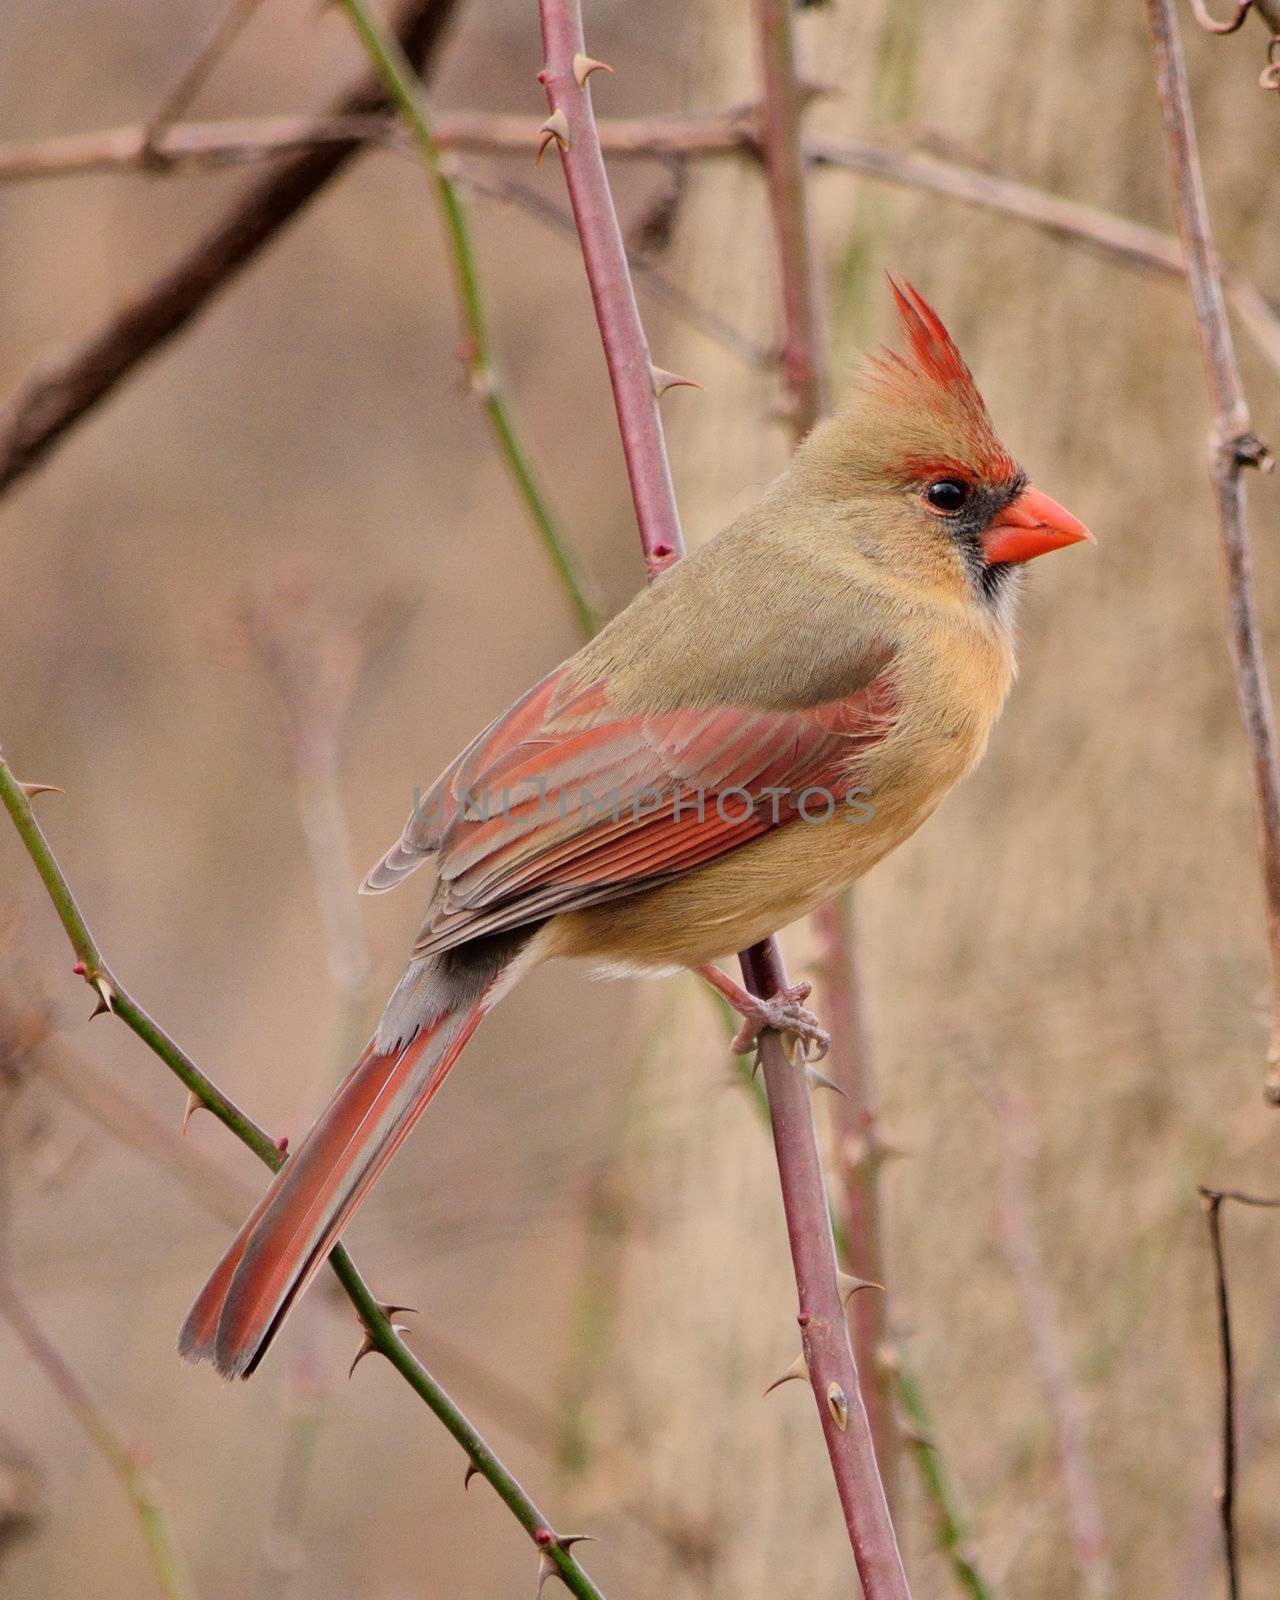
(316, 1193)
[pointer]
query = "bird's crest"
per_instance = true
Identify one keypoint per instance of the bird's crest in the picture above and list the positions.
(930, 376)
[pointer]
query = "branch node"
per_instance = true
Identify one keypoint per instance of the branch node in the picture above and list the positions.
(1248, 450)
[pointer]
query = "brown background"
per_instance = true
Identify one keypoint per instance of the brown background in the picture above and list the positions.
(1082, 921)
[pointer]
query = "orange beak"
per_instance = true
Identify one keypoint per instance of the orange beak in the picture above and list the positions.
(1032, 526)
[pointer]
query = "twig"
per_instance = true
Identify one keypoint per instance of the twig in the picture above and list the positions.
(565, 76)
(170, 1568)
(224, 33)
(1233, 447)
(65, 387)
(383, 1337)
(631, 371)
(781, 104)
(405, 93)
(1212, 1200)
(1243, 8)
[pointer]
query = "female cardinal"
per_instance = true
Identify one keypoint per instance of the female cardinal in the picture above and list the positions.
(757, 729)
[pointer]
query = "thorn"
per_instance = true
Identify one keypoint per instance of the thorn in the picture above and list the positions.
(662, 380)
(31, 790)
(392, 1312)
(367, 1348)
(849, 1285)
(106, 998)
(194, 1104)
(584, 66)
(548, 1541)
(472, 1471)
(555, 127)
(799, 1368)
(838, 1406)
(819, 1080)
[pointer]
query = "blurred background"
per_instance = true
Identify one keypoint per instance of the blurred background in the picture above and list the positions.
(280, 577)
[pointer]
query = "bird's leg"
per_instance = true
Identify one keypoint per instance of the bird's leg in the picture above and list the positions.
(781, 1011)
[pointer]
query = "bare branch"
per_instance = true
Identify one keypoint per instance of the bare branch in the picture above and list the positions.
(224, 33)
(67, 386)
(1233, 447)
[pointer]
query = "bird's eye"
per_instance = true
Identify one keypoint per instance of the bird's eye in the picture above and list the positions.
(947, 494)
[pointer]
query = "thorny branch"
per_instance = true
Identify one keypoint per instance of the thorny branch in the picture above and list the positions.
(804, 363)
(381, 1334)
(636, 388)
(1233, 447)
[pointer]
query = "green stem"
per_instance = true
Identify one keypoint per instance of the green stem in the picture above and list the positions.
(404, 91)
(382, 1335)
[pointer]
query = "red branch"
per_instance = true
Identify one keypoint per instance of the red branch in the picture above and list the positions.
(1233, 447)
(824, 1332)
(805, 373)
(781, 104)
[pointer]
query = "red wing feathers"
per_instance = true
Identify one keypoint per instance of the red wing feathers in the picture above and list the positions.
(563, 803)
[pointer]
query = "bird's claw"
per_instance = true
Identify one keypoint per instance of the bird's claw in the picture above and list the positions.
(786, 1015)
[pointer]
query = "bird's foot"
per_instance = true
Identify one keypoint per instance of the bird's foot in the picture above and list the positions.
(784, 1013)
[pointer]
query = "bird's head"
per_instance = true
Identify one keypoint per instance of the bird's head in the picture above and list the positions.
(929, 489)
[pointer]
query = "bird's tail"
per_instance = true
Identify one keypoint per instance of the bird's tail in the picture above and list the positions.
(316, 1193)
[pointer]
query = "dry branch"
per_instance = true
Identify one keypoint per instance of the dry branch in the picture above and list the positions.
(66, 386)
(1212, 1200)
(54, 399)
(825, 1337)
(1233, 447)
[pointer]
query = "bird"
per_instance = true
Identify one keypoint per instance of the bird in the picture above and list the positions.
(763, 723)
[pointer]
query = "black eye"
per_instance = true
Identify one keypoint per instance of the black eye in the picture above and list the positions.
(947, 494)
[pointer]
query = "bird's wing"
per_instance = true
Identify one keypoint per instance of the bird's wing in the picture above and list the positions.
(564, 801)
